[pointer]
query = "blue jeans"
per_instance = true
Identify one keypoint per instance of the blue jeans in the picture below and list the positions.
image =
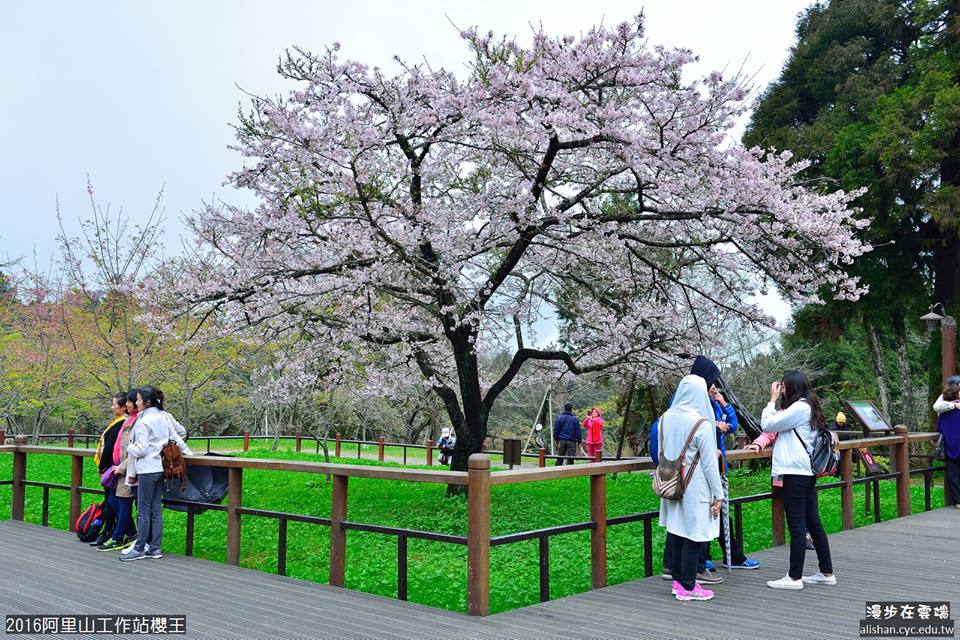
(124, 511)
(150, 510)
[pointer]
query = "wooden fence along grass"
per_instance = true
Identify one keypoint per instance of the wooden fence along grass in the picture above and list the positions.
(437, 571)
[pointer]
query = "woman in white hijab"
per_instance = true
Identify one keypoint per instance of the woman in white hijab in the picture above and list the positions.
(694, 518)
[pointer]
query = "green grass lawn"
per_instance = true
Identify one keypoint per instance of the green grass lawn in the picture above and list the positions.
(437, 571)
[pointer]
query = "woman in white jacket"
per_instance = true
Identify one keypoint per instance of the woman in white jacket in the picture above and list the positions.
(151, 433)
(693, 519)
(796, 424)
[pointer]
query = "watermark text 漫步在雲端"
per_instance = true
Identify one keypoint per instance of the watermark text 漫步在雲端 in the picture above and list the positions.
(919, 619)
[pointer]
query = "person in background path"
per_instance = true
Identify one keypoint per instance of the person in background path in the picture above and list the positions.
(567, 434)
(594, 426)
(103, 458)
(151, 433)
(446, 443)
(694, 519)
(948, 425)
(797, 423)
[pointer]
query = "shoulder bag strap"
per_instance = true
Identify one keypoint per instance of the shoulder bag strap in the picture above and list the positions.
(660, 436)
(802, 443)
(696, 458)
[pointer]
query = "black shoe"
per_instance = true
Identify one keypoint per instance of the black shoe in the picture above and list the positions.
(99, 541)
(112, 545)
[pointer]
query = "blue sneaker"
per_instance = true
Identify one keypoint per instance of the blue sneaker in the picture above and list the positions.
(746, 564)
(711, 566)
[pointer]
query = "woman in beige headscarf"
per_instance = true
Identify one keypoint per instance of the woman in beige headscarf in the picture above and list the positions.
(694, 518)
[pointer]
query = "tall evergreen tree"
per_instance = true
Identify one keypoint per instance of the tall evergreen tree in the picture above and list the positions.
(870, 95)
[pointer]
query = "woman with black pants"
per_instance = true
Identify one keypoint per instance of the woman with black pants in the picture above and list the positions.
(796, 424)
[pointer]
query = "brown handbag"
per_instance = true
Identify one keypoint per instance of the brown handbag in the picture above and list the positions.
(669, 479)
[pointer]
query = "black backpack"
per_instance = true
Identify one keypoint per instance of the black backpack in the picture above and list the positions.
(824, 457)
(90, 523)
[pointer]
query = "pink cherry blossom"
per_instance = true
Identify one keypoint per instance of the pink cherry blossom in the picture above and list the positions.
(407, 222)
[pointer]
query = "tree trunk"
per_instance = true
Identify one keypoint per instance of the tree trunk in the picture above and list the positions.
(626, 414)
(906, 380)
(876, 357)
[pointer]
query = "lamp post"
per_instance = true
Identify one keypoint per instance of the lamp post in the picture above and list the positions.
(948, 335)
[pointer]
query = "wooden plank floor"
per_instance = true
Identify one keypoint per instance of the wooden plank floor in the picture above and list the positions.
(46, 571)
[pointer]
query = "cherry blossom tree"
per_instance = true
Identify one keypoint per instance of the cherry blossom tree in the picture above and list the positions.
(407, 222)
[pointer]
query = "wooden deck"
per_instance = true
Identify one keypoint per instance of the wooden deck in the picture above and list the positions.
(46, 571)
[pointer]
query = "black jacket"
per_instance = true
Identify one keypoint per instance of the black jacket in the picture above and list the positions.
(109, 440)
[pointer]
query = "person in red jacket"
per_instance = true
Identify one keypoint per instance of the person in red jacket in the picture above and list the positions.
(594, 426)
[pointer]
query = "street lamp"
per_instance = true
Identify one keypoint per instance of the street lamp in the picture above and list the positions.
(948, 335)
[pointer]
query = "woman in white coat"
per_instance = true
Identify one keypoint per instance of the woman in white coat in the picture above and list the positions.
(796, 426)
(694, 518)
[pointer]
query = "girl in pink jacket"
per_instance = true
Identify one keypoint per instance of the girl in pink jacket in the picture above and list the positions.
(594, 426)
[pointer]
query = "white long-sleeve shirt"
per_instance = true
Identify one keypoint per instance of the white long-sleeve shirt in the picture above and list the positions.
(151, 433)
(942, 406)
(790, 456)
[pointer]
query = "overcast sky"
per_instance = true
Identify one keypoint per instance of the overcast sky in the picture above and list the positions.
(142, 95)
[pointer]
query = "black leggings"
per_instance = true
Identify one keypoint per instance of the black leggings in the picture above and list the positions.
(686, 553)
(803, 514)
(953, 478)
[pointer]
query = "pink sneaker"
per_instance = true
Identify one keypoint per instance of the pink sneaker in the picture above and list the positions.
(697, 593)
(676, 587)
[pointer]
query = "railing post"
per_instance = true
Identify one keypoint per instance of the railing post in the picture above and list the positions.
(380, 448)
(3, 437)
(336, 446)
(903, 468)
(401, 567)
(246, 440)
(188, 544)
(204, 427)
(429, 453)
(76, 481)
(544, 568)
(19, 476)
(598, 535)
(742, 442)
(338, 535)
(846, 491)
(70, 437)
(299, 445)
(478, 535)
(282, 547)
(542, 458)
(597, 456)
(234, 501)
(776, 513)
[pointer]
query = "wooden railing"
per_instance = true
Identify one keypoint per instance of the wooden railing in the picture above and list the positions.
(541, 455)
(479, 479)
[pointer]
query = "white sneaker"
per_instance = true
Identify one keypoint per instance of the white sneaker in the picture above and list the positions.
(819, 578)
(786, 582)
